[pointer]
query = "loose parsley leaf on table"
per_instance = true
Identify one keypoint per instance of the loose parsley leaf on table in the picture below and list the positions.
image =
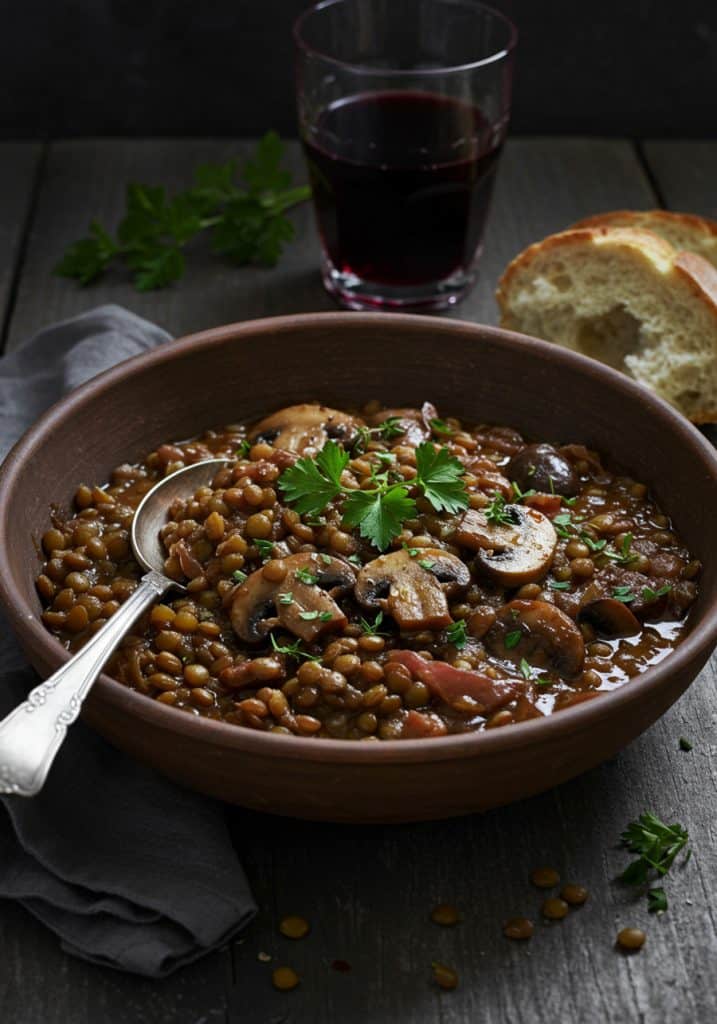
(656, 844)
(246, 218)
(656, 901)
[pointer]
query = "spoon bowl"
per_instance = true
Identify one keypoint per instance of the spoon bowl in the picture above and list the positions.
(33, 732)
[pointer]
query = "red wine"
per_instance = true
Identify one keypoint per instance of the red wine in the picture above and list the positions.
(401, 184)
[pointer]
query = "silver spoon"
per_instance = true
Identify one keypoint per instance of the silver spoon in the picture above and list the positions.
(31, 735)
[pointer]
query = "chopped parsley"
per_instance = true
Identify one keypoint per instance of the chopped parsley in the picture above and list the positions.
(657, 846)
(243, 449)
(306, 577)
(238, 576)
(512, 639)
(426, 563)
(326, 559)
(287, 598)
(656, 901)
(439, 426)
(265, 549)
(312, 615)
(457, 634)
(371, 628)
(294, 650)
(685, 744)
(652, 595)
(624, 556)
(526, 668)
(562, 585)
(496, 512)
(522, 495)
(623, 594)
(594, 545)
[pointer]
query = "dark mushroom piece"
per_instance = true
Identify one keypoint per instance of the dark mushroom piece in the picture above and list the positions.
(520, 551)
(305, 428)
(414, 424)
(609, 617)
(541, 467)
(302, 601)
(412, 590)
(543, 629)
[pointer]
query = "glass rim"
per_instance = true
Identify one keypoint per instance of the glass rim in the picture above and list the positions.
(367, 69)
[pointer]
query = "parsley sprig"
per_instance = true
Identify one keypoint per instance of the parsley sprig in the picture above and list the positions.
(657, 846)
(457, 634)
(246, 219)
(379, 511)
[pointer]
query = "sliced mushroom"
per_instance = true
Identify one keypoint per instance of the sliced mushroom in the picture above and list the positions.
(305, 428)
(302, 602)
(513, 553)
(524, 628)
(412, 590)
(451, 684)
(609, 617)
(415, 424)
(541, 467)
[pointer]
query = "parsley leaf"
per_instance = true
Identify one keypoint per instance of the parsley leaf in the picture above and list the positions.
(522, 495)
(265, 548)
(426, 563)
(496, 512)
(306, 577)
(656, 901)
(286, 598)
(512, 639)
(439, 426)
(525, 668)
(371, 628)
(379, 514)
(623, 594)
(239, 576)
(246, 217)
(438, 474)
(562, 585)
(243, 449)
(293, 650)
(656, 844)
(457, 634)
(310, 484)
(652, 595)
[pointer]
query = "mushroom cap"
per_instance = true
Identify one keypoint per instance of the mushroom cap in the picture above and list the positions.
(543, 628)
(415, 424)
(257, 605)
(305, 428)
(412, 589)
(610, 617)
(542, 468)
(513, 553)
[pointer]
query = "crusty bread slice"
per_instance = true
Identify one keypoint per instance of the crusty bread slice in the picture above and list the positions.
(682, 230)
(627, 298)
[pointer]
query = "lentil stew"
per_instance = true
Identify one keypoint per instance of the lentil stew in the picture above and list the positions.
(429, 579)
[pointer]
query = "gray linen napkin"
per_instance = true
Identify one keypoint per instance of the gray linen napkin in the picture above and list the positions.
(127, 869)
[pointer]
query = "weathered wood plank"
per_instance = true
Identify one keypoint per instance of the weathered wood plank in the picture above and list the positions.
(19, 164)
(685, 173)
(544, 184)
(39, 984)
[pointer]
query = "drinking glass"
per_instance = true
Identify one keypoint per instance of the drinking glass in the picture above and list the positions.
(403, 108)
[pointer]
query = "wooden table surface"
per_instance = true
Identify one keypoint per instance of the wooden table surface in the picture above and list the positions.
(368, 891)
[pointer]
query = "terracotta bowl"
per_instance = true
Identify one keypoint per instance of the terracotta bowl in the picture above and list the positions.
(246, 370)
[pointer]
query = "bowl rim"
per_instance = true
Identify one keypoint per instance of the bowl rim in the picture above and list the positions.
(24, 619)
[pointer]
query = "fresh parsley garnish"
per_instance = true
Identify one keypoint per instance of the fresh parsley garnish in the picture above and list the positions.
(355, 560)
(496, 511)
(623, 594)
(656, 901)
(522, 495)
(512, 639)
(293, 650)
(457, 634)
(379, 511)
(624, 556)
(439, 426)
(238, 576)
(594, 545)
(525, 668)
(371, 628)
(286, 598)
(656, 844)
(243, 449)
(265, 549)
(563, 524)
(426, 563)
(306, 577)
(315, 614)
(326, 559)
(652, 595)
(246, 218)
(562, 585)
(386, 431)
(412, 551)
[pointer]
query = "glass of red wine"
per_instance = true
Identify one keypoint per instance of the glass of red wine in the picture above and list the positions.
(403, 109)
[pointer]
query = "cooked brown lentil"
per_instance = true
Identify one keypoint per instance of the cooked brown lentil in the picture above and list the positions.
(294, 927)
(575, 895)
(631, 938)
(554, 909)
(284, 978)
(406, 682)
(445, 977)
(518, 928)
(445, 914)
(545, 878)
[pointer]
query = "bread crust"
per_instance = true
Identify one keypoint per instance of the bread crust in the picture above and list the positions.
(696, 271)
(637, 217)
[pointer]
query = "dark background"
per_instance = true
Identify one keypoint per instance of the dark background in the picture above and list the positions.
(224, 67)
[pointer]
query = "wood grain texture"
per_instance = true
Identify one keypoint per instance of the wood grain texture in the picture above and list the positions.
(685, 173)
(543, 185)
(368, 892)
(19, 166)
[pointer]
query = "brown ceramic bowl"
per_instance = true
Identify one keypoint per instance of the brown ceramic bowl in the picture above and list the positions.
(480, 373)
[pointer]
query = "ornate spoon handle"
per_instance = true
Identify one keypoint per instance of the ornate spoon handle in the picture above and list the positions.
(31, 735)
